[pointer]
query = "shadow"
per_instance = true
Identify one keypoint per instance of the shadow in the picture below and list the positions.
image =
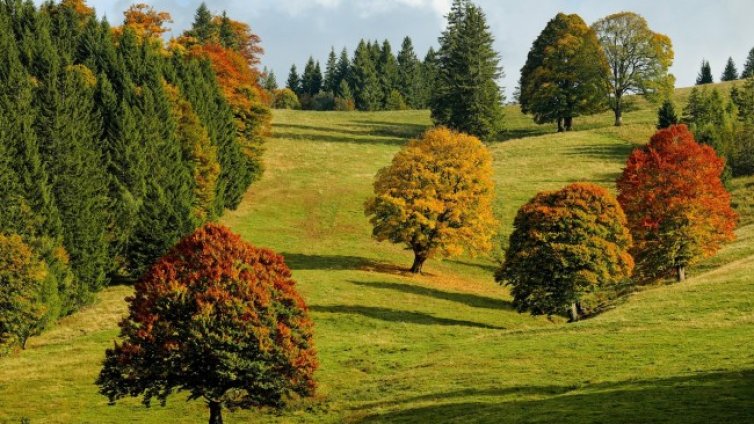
(331, 138)
(301, 262)
(467, 299)
(524, 133)
(392, 129)
(707, 398)
(484, 267)
(616, 151)
(395, 315)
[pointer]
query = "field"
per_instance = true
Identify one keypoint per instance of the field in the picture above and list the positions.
(446, 346)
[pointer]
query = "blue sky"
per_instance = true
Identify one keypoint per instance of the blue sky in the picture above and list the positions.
(291, 30)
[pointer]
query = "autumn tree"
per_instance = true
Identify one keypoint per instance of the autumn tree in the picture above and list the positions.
(677, 207)
(145, 21)
(564, 73)
(568, 253)
(435, 197)
(218, 318)
(731, 72)
(705, 74)
(638, 58)
(466, 96)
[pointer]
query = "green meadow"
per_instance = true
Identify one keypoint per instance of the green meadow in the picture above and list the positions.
(446, 346)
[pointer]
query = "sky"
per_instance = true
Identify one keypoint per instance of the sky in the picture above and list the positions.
(292, 30)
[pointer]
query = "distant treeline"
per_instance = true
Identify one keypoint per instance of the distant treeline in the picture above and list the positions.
(373, 79)
(113, 145)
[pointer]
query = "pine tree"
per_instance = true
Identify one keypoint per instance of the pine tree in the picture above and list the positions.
(270, 82)
(666, 115)
(294, 82)
(748, 71)
(331, 73)
(203, 29)
(705, 74)
(317, 79)
(409, 74)
(311, 81)
(365, 81)
(387, 70)
(730, 73)
(466, 97)
(429, 71)
(343, 72)
(228, 38)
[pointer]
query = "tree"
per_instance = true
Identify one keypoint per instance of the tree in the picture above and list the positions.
(705, 74)
(429, 71)
(331, 82)
(638, 58)
(666, 115)
(365, 80)
(409, 74)
(343, 72)
(466, 96)
(435, 197)
(678, 210)
(203, 29)
(270, 82)
(311, 81)
(564, 73)
(730, 73)
(387, 70)
(568, 252)
(748, 71)
(145, 21)
(286, 99)
(294, 82)
(218, 318)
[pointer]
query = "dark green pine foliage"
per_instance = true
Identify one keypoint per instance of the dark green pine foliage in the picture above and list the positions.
(366, 84)
(748, 70)
(387, 70)
(294, 81)
(467, 97)
(666, 115)
(409, 75)
(203, 29)
(705, 74)
(270, 81)
(227, 36)
(343, 72)
(429, 70)
(310, 81)
(330, 83)
(730, 73)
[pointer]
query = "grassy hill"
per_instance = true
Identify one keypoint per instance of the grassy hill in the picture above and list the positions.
(447, 346)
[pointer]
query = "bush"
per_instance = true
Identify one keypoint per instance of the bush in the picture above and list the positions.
(344, 104)
(323, 101)
(568, 253)
(395, 101)
(219, 318)
(286, 99)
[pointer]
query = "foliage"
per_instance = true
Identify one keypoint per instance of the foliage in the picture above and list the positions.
(730, 73)
(286, 99)
(365, 79)
(294, 81)
(748, 70)
(568, 253)
(218, 318)
(705, 74)
(435, 197)
(466, 96)
(677, 208)
(145, 21)
(564, 73)
(666, 115)
(639, 58)
(409, 78)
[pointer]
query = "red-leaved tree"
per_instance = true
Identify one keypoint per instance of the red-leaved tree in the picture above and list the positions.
(677, 207)
(219, 319)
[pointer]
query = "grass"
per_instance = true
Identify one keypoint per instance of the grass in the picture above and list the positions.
(447, 346)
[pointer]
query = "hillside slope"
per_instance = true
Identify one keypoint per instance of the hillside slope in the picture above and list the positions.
(445, 347)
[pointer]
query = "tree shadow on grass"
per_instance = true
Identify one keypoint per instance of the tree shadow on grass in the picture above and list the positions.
(302, 262)
(485, 267)
(334, 138)
(707, 398)
(468, 299)
(399, 316)
(391, 129)
(612, 152)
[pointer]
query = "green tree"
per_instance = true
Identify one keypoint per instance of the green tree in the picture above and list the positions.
(409, 74)
(294, 81)
(466, 96)
(429, 71)
(365, 80)
(730, 73)
(203, 29)
(564, 73)
(311, 81)
(638, 58)
(387, 70)
(666, 115)
(705, 74)
(331, 82)
(343, 72)
(748, 70)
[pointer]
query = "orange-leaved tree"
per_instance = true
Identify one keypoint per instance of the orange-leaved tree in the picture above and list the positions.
(568, 253)
(436, 197)
(677, 207)
(146, 22)
(217, 318)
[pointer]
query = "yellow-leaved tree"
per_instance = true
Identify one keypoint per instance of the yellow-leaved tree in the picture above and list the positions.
(436, 197)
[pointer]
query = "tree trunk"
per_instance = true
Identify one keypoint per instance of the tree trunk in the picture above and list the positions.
(573, 312)
(569, 123)
(419, 259)
(215, 413)
(681, 273)
(618, 112)
(560, 125)
(23, 343)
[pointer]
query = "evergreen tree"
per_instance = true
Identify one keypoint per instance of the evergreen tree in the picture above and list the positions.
(429, 71)
(294, 81)
(311, 81)
(730, 73)
(705, 74)
(331, 73)
(365, 81)
(317, 79)
(666, 115)
(343, 72)
(387, 70)
(203, 29)
(748, 71)
(409, 74)
(466, 97)
(270, 82)
(228, 38)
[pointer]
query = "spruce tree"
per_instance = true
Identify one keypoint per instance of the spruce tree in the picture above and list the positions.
(730, 73)
(270, 82)
(429, 71)
(331, 82)
(343, 72)
(466, 97)
(387, 70)
(294, 82)
(409, 74)
(203, 29)
(311, 80)
(317, 79)
(748, 71)
(705, 74)
(666, 115)
(366, 84)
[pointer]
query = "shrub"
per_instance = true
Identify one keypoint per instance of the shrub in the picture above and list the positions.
(218, 318)
(568, 252)
(323, 101)
(286, 99)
